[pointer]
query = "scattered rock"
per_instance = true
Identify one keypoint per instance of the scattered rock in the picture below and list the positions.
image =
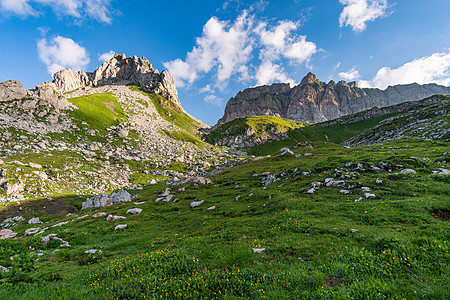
(408, 171)
(371, 196)
(165, 193)
(200, 181)
(35, 166)
(98, 215)
(258, 250)
(345, 192)
(151, 182)
(330, 182)
(354, 230)
(308, 154)
(104, 200)
(134, 211)
(379, 181)
(286, 151)
(31, 231)
(53, 236)
(442, 172)
(14, 219)
(365, 189)
(265, 174)
(212, 208)
(122, 133)
(34, 221)
(92, 251)
(195, 204)
(7, 234)
(311, 191)
(111, 218)
(317, 185)
(120, 227)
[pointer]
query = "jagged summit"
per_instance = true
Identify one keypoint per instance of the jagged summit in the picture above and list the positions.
(314, 101)
(121, 70)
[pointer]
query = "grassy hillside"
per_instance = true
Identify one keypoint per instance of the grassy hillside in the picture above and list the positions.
(324, 245)
(262, 125)
(99, 111)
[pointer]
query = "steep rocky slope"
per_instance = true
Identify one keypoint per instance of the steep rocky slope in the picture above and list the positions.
(101, 136)
(315, 101)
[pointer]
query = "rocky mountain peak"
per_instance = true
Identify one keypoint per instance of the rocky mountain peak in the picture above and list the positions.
(310, 78)
(121, 70)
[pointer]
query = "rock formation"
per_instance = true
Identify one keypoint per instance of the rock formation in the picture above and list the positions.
(121, 69)
(46, 92)
(315, 101)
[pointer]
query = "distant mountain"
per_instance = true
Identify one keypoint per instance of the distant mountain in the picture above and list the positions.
(314, 101)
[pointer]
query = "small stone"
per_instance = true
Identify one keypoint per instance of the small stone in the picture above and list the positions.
(354, 230)
(408, 171)
(379, 181)
(151, 182)
(371, 196)
(100, 214)
(134, 211)
(111, 218)
(34, 221)
(345, 192)
(31, 231)
(308, 154)
(211, 208)
(317, 185)
(200, 181)
(7, 234)
(286, 151)
(195, 204)
(265, 174)
(311, 191)
(92, 251)
(165, 193)
(120, 227)
(35, 166)
(365, 189)
(258, 250)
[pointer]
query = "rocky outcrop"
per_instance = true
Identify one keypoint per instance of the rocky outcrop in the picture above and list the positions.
(315, 101)
(121, 70)
(12, 90)
(46, 92)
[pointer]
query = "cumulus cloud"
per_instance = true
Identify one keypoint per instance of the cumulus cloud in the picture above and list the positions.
(106, 56)
(280, 41)
(351, 75)
(61, 52)
(430, 69)
(227, 50)
(357, 13)
(269, 72)
(222, 46)
(95, 9)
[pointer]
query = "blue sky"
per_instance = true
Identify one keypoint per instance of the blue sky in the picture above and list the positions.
(214, 49)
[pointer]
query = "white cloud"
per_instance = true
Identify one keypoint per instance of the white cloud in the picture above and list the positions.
(214, 100)
(61, 52)
(269, 72)
(351, 75)
(337, 66)
(18, 7)
(95, 9)
(106, 56)
(226, 50)
(222, 46)
(357, 12)
(430, 69)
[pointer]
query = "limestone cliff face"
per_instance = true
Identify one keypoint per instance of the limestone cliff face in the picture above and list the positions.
(119, 70)
(315, 101)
